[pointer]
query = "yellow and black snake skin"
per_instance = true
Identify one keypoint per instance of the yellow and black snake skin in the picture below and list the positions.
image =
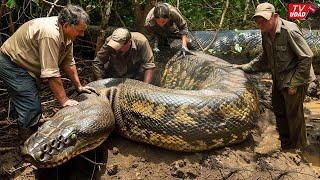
(201, 103)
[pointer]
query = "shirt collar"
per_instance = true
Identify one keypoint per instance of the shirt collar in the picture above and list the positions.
(279, 24)
(66, 42)
(133, 44)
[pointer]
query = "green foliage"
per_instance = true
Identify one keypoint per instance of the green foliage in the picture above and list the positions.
(11, 4)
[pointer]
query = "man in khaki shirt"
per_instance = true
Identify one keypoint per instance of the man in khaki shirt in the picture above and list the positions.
(287, 55)
(125, 55)
(165, 21)
(39, 49)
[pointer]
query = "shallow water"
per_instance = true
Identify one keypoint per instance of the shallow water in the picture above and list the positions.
(312, 158)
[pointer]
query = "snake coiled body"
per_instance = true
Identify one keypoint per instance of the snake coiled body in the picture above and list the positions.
(201, 103)
(241, 46)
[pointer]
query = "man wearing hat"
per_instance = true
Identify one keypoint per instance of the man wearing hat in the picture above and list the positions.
(287, 55)
(125, 55)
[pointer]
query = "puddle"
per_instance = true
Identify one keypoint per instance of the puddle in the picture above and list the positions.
(313, 158)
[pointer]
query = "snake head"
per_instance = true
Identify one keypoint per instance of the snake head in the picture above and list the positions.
(70, 132)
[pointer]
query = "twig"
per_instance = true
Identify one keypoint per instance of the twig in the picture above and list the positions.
(66, 79)
(21, 167)
(220, 25)
(52, 6)
(7, 148)
(224, 13)
(3, 94)
(47, 102)
(178, 4)
(95, 163)
(4, 34)
(94, 166)
(9, 108)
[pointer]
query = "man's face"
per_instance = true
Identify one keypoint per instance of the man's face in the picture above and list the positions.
(73, 31)
(124, 48)
(264, 24)
(162, 21)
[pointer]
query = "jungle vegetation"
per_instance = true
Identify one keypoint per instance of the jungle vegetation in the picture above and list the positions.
(107, 14)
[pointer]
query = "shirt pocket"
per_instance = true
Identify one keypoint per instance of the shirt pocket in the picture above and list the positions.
(283, 59)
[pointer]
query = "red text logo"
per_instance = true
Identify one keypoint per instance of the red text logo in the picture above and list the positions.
(300, 10)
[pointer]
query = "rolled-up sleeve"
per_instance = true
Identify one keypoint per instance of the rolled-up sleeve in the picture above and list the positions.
(257, 64)
(149, 22)
(147, 56)
(102, 57)
(49, 58)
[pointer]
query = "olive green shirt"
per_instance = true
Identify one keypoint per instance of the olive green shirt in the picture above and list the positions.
(176, 24)
(288, 56)
(138, 58)
(39, 47)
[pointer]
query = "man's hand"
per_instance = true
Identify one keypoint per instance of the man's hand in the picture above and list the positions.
(185, 51)
(292, 90)
(156, 50)
(87, 89)
(237, 66)
(70, 102)
(155, 47)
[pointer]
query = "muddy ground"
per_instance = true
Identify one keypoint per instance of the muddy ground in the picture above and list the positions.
(259, 157)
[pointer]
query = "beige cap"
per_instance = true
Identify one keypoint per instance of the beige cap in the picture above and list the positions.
(119, 37)
(264, 10)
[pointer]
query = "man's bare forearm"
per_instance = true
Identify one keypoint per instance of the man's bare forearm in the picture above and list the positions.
(72, 73)
(148, 74)
(57, 89)
(184, 40)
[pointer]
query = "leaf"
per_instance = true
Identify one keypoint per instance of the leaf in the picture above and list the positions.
(211, 51)
(238, 48)
(11, 4)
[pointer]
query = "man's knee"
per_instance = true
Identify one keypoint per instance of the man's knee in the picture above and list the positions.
(31, 115)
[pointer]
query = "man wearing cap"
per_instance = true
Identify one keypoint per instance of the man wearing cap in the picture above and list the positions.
(125, 54)
(38, 50)
(287, 55)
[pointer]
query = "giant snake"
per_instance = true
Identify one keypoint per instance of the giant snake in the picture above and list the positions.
(200, 102)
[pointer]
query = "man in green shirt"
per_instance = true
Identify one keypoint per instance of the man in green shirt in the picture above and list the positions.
(287, 55)
(125, 54)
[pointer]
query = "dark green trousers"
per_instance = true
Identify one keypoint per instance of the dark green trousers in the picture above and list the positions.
(288, 110)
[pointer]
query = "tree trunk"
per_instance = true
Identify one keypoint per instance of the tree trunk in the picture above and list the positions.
(140, 11)
(105, 15)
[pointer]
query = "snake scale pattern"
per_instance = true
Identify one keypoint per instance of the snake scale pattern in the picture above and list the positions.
(200, 103)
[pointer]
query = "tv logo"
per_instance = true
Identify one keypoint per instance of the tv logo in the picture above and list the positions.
(300, 10)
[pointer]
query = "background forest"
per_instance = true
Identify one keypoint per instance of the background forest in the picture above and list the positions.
(107, 14)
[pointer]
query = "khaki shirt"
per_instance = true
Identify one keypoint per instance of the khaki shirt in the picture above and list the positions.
(176, 24)
(288, 56)
(138, 58)
(39, 47)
